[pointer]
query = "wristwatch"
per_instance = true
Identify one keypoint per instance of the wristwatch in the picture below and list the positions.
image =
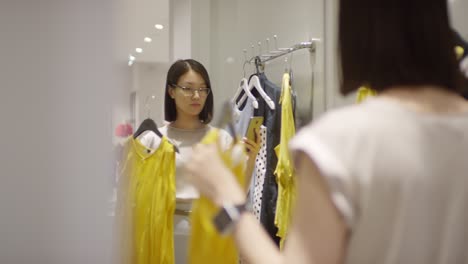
(227, 217)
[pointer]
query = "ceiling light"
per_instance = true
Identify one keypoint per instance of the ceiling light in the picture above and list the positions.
(139, 50)
(148, 40)
(131, 59)
(159, 26)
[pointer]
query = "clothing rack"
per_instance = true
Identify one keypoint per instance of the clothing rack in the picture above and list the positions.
(271, 55)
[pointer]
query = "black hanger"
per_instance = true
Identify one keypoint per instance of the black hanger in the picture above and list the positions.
(258, 64)
(147, 124)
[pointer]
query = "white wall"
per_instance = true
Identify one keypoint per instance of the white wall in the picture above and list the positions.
(180, 32)
(459, 16)
(149, 79)
(58, 77)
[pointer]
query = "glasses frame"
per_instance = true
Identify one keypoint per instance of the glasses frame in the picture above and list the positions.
(193, 90)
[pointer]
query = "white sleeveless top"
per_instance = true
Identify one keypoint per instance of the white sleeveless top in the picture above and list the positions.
(399, 178)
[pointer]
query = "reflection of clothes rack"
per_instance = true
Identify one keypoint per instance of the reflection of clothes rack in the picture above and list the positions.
(305, 115)
(264, 187)
(271, 55)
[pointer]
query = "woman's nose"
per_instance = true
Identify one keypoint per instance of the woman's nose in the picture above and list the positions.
(196, 95)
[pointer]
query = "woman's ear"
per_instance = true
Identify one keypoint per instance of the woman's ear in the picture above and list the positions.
(171, 92)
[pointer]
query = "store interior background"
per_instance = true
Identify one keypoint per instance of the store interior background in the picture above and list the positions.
(66, 85)
(216, 32)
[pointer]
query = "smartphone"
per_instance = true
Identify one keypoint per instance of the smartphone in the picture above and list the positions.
(255, 123)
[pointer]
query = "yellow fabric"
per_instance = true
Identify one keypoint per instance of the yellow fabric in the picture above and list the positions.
(459, 51)
(284, 169)
(206, 245)
(146, 204)
(363, 93)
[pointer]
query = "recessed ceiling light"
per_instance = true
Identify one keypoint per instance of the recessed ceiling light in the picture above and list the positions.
(148, 40)
(159, 26)
(139, 50)
(130, 62)
(131, 57)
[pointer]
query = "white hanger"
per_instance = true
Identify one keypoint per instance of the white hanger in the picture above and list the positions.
(243, 87)
(150, 140)
(255, 83)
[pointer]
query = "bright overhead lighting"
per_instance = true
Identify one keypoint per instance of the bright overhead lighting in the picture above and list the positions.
(148, 40)
(159, 26)
(131, 59)
(139, 50)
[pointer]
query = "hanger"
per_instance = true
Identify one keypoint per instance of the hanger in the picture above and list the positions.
(259, 66)
(244, 87)
(289, 68)
(150, 125)
(255, 83)
(147, 125)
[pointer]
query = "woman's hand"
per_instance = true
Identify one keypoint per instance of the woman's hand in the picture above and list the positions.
(252, 148)
(211, 177)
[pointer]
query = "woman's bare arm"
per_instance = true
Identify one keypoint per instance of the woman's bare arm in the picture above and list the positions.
(318, 232)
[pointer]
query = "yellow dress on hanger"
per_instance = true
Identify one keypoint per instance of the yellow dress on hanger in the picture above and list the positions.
(146, 204)
(284, 169)
(459, 52)
(207, 246)
(363, 93)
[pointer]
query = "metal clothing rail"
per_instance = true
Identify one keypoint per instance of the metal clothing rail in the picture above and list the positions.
(261, 59)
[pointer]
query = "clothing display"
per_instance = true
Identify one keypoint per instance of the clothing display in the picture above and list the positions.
(284, 169)
(272, 122)
(146, 204)
(185, 139)
(462, 55)
(242, 117)
(400, 188)
(207, 246)
(258, 177)
(263, 192)
(364, 93)
(461, 46)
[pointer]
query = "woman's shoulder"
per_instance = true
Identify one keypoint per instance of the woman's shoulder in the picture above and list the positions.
(371, 114)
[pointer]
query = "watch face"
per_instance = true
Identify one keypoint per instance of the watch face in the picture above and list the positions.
(222, 221)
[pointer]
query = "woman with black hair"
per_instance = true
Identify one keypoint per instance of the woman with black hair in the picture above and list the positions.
(379, 182)
(188, 107)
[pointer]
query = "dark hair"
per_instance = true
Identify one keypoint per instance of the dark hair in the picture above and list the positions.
(383, 43)
(178, 69)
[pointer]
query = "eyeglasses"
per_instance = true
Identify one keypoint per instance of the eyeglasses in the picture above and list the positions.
(187, 91)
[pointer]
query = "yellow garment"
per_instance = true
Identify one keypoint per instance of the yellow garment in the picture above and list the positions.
(459, 51)
(363, 93)
(206, 245)
(146, 204)
(284, 169)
